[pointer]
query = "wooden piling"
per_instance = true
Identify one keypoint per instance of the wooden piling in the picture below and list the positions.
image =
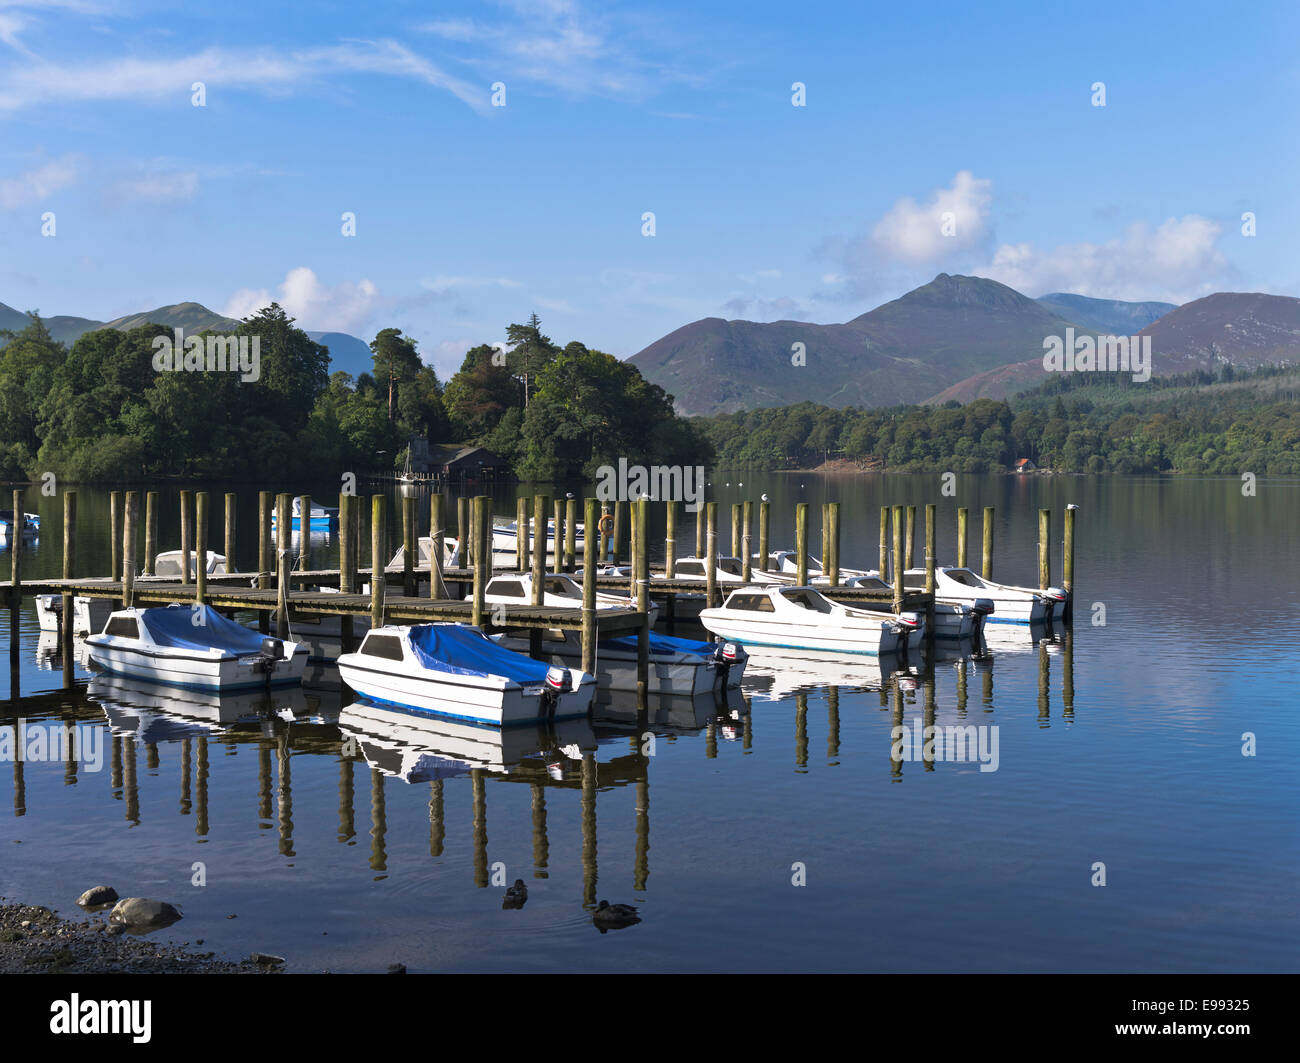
(701, 523)
(801, 543)
(200, 546)
(884, 544)
(589, 587)
(128, 547)
(462, 532)
(282, 517)
(641, 566)
(304, 533)
(232, 565)
(521, 534)
(187, 537)
(987, 569)
(557, 536)
(898, 559)
(16, 599)
(410, 548)
(619, 522)
(735, 529)
(540, 505)
(962, 525)
(482, 524)
(764, 524)
(826, 532)
(604, 535)
(911, 536)
(114, 531)
(69, 572)
(1044, 548)
(930, 518)
(571, 534)
(347, 567)
(437, 537)
(1067, 561)
(670, 539)
(150, 530)
(711, 554)
(264, 502)
(831, 562)
(377, 585)
(746, 522)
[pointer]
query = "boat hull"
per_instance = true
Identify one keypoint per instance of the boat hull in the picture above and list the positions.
(869, 640)
(617, 669)
(192, 671)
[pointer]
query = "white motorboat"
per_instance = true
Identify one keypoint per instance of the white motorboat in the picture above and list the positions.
(1011, 605)
(730, 570)
(30, 524)
(321, 518)
(169, 563)
(676, 665)
(455, 671)
(88, 614)
(194, 646)
(953, 619)
(803, 618)
(559, 590)
(786, 562)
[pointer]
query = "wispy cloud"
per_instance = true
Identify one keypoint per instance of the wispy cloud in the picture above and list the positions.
(158, 187)
(35, 185)
(443, 283)
(38, 82)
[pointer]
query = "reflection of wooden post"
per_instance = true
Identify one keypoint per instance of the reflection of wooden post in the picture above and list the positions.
(711, 554)
(746, 550)
(801, 543)
(832, 724)
(377, 587)
(589, 588)
(541, 846)
(764, 546)
(962, 515)
(69, 564)
(826, 534)
(479, 786)
(128, 547)
(832, 558)
(898, 559)
(641, 869)
(589, 828)
(1067, 675)
(1044, 681)
(150, 530)
(927, 719)
(231, 564)
(987, 569)
(201, 789)
(1044, 548)
(201, 546)
(187, 537)
(378, 822)
(801, 730)
(437, 822)
(896, 766)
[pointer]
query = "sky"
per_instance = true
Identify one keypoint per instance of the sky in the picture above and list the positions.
(801, 161)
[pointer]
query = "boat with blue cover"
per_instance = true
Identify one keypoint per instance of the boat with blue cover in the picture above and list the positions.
(676, 665)
(194, 646)
(457, 672)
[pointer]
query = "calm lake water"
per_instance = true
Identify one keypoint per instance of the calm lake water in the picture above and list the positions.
(345, 841)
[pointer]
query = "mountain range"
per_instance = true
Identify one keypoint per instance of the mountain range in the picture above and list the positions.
(954, 338)
(347, 353)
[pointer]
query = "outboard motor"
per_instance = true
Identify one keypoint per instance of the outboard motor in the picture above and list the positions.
(557, 679)
(272, 651)
(724, 656)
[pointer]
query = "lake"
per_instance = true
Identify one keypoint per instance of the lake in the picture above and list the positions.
(772, 832)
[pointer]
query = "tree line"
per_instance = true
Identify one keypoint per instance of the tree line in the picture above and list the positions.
(101, 411)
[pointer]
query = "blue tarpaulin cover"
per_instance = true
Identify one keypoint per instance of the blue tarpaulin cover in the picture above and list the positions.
(199, 628)
(659, 645)
(465, 651)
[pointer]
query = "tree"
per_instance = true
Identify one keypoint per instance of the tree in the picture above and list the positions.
(530, 351)
(395, 360)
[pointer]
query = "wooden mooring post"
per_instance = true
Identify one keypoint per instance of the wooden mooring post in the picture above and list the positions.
(437, 537)
(410, 549)
(304, 533)
(735, 529)
(898, 559)
(831, 562)
(265, 500)
(540, 505)
(150, 531)
(711, 554)
(963, 515)
(670, 539)
(884, 544)
(701, 529)
(764, 526)
(930, 517)
(589, 587)
(801, 543)
(557, 536)
(1044, 548)
(571, 533)
(200, 546)
(1067, 561)
(347, 569)
(69, 572)
(187, 536)
(482, 529)
(641, 566)
(128, 547)
(232, 563)
(911, 536)
(114, 531)
(282, 508)
(16, 598)
(377, 587)
(620, 521)
(987, 570)
(521, 534)
(746, 549)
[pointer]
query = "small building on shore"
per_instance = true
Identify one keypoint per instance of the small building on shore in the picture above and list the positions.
(453, 463)
(1024, 465)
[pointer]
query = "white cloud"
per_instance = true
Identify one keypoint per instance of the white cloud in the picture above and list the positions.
(444, 283)
(1178, 260)
(37, 184)
(345, 307)
(914, 234)
(45, 83)
(560, 306)
(156, 187)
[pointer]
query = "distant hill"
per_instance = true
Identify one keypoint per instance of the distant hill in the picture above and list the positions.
(1110, 316)
(929, 339)
(1242, 329)
(347, 353)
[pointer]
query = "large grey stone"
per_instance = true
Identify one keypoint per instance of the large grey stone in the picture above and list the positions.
(97, 895)
(140, 913)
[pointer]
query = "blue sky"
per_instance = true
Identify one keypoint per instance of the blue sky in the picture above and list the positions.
(470, 216)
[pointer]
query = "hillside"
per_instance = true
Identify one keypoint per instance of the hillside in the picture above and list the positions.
(901, 352)
(1110, 316)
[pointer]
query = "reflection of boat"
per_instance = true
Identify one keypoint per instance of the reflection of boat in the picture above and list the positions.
(416, 748)
(156, 713)
(456, 671)
(803, 618)
(1016, 637)
(194, 646)
(676, 665)
(664, 712)
(48, 656)
(778, 675)
(321, 518)
(558, 590)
